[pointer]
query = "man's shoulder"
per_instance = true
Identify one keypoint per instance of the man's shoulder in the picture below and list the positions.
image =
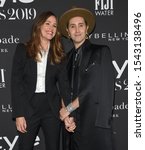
(99, 46)
(69, 52)
(100, 49)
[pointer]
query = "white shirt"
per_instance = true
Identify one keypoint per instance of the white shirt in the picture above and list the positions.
(41, 72)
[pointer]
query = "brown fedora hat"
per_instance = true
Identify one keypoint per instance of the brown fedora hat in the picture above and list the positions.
(74, 12)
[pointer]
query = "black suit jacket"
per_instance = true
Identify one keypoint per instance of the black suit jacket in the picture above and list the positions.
(23, 83)
(95, 87)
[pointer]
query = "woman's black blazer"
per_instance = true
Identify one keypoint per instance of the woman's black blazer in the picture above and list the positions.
(23, 83)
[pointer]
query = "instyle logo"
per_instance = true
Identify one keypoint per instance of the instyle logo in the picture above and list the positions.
(5, 143)
(2, 2)
(6, 108)
(2, 78)
(121, 82)
(111, 37)
(104, 7)
(120, 70)
(17, 13)
(10, 144)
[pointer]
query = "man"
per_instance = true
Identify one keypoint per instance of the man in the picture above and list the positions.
(91, 76)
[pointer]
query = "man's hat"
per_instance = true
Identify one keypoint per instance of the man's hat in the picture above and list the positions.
(75, 12)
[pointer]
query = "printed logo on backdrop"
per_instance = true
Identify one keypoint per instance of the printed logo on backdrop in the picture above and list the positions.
(121, 82)
(8, 39)
(7, 143)
(104, 7)
(6, 108)
(3, 50)
(2, 2)
(111, 37)
(12, 13)
(119, 107)
(2, 78)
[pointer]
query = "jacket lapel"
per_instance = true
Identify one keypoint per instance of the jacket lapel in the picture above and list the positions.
(47, 70)
(33, 68)
(90, 56)
(33, 72)
(86, 54)
(69, 59)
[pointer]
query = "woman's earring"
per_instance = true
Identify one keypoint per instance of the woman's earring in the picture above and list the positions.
(69, 36)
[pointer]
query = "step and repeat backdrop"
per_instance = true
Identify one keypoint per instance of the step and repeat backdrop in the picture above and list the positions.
(16, 19)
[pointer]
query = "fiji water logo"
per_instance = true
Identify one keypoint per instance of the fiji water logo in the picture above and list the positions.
(2, 2)
(104, 7)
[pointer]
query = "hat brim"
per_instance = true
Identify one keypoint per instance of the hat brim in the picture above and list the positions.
(75, 12)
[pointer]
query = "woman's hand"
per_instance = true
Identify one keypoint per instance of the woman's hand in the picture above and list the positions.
(63, 113)
(21, 124)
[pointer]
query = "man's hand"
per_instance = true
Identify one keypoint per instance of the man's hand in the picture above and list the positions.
(21, 124)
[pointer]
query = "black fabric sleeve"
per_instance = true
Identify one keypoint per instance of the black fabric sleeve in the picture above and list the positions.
(17, 91)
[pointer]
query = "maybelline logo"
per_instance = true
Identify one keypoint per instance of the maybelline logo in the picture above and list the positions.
(104, 7)
(6, 108)
(2, 2)
(10, 144)
(121, 83)
(9, 40)
(2, 78)
(111, 37)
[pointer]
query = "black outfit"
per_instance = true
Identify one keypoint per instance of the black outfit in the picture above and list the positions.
(39, 109)
(95, 88)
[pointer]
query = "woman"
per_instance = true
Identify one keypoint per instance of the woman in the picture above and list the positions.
(38, 66)
(91, 77)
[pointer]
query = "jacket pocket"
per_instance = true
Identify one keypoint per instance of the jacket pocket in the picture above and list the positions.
(90, 66)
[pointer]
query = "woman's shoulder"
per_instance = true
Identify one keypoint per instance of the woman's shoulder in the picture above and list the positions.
(20, 50)
(21, 46)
